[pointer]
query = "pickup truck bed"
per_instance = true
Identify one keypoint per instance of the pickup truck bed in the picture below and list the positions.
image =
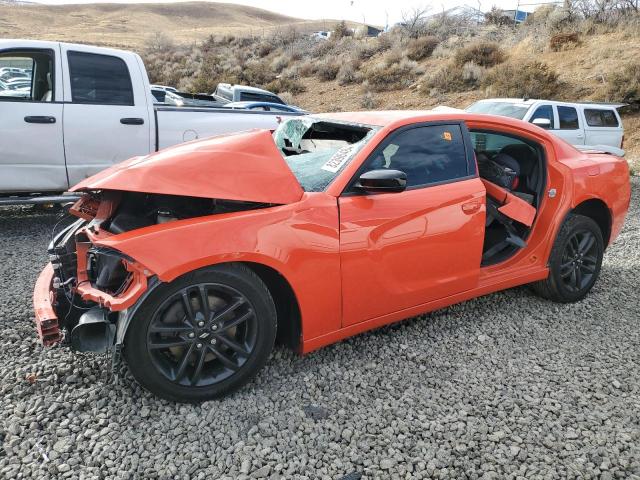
(88, 108)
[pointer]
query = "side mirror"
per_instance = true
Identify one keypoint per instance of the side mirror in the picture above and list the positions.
(542, 123)
(383, 181)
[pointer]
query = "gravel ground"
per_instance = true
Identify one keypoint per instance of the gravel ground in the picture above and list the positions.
(505, 386)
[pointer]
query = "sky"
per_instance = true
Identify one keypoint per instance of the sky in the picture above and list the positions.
(377, 12)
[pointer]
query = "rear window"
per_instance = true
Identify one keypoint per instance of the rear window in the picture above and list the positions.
(568, 117)
(258, 97)
(504, 109)
(99, 79)
(600, 118)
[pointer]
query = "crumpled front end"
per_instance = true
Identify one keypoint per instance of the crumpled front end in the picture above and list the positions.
(89, 284)
(78, 295)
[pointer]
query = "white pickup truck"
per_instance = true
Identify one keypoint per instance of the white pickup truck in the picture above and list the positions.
(87, 108)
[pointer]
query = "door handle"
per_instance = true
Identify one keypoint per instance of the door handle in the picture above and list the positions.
(132, 121)
(471, 207)
(39, 119)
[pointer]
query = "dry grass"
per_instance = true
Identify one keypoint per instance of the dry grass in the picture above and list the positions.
(327, 69)
(131, 25)
(624, 85)
(483, 53)
(564, 41)
(392, 74)
(530, 79)
(421, 48)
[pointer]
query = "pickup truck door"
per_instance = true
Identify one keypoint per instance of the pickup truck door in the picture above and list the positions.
(569, 125)
(32, 152)
(107, 111)
(401, 250)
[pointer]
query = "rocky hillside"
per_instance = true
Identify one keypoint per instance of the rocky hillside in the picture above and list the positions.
(556, 54)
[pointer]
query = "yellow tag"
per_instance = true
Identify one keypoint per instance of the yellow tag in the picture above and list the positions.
(447, 136)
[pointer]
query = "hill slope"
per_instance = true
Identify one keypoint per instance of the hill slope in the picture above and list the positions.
(131, 25)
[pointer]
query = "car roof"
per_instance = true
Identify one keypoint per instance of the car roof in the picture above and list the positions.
(531, 101)
(383, 118)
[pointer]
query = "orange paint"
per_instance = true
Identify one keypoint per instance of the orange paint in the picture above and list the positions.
(353, 262)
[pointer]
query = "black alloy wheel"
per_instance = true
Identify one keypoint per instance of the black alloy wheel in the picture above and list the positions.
(579, 260)
(575, 260)
(202, 335)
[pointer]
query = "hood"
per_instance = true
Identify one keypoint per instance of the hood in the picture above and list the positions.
(244, 166)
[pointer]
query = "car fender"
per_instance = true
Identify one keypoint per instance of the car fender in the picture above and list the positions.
(300, 241)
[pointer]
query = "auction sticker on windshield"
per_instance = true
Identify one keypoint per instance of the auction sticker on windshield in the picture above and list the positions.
(336, 162)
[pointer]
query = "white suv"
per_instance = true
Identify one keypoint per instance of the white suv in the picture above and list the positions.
(595, 124)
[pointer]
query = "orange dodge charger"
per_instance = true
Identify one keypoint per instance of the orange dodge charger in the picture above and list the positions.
(194, 260)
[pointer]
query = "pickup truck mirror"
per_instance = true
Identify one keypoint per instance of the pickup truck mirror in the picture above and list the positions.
(542, 123)
(383, 181)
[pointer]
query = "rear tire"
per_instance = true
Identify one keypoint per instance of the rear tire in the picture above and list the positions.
(202, 336)
(575, 261)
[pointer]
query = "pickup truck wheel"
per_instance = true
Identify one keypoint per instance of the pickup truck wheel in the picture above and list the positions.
(575, 261)
(203, 335)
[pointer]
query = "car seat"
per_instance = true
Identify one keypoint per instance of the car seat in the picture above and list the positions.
(527, 160)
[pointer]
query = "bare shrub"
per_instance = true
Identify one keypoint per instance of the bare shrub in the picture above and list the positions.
(210, 74)
(564, 41)
(327, 69)
(414, 22)
(483, 53)
(284, 37)
(368, 101)
(473, 74)
(624, 85)
(385, 42)
(307, 69)
(286, 84)
(321, 49)
(279, 63)
(531, 79)
(264, 48)
(348, 72)
(256, 72)
(159, 43)
(392, 75)
(365, 51)
(394, 55)
(422, 47)
(448, 78)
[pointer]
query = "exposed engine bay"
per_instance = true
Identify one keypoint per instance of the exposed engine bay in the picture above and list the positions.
(88, 277)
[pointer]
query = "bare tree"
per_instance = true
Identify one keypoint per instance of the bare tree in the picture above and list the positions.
(158, 43)
(414, 22)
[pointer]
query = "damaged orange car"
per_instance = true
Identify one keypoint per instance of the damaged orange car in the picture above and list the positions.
(194, 260)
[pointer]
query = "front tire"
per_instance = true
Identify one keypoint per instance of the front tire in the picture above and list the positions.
(575, 261)
(202, 336)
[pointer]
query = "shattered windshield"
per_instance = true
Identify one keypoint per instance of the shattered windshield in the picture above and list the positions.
(317, 150)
